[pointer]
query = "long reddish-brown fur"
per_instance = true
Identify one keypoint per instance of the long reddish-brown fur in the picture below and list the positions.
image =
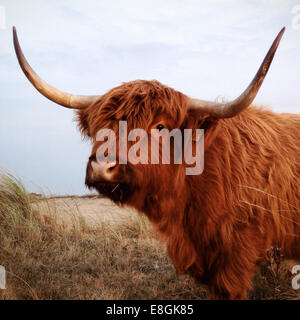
(218, 225)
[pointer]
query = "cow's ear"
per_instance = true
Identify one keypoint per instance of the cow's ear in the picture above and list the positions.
(83, 123)
(196, 119)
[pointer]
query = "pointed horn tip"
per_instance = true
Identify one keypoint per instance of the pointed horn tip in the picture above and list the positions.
(15, 36)
(277, 41)
(280, 34)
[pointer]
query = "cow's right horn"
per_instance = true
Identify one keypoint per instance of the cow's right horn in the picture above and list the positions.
(232, 108)
(64, 99)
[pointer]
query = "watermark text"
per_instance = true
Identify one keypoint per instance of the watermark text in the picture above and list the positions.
(140, 147)
(296, 279)
(2, 278)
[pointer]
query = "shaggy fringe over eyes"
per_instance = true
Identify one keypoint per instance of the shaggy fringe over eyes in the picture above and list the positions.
(138, 102)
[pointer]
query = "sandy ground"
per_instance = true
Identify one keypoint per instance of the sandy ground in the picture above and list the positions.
(94, 209)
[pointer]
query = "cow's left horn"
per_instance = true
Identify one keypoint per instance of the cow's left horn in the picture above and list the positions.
(231, 109)
(65, 99)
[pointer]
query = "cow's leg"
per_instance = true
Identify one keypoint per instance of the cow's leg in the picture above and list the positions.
(232, 280)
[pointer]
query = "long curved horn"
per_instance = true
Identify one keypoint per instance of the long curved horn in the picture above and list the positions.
(231, 109)
(64, 99)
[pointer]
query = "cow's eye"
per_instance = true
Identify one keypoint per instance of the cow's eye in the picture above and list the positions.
(160, 127)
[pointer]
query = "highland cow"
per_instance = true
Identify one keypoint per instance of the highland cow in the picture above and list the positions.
(218, 225)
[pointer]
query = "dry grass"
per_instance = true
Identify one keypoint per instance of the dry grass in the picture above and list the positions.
(47, 258)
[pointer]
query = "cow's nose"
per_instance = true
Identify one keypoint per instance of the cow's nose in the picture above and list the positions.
(104, 170)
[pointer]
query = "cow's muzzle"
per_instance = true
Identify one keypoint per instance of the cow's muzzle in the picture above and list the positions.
(100, 171)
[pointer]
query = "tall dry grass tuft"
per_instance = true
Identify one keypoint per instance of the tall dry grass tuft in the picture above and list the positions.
(47, 255)
(273, 281)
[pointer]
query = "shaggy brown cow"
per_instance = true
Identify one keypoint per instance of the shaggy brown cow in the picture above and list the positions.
(218, 225)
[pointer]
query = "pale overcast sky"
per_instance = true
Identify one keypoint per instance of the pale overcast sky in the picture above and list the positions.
(205, 49)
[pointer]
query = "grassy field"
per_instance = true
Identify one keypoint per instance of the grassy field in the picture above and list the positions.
(47, 257)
